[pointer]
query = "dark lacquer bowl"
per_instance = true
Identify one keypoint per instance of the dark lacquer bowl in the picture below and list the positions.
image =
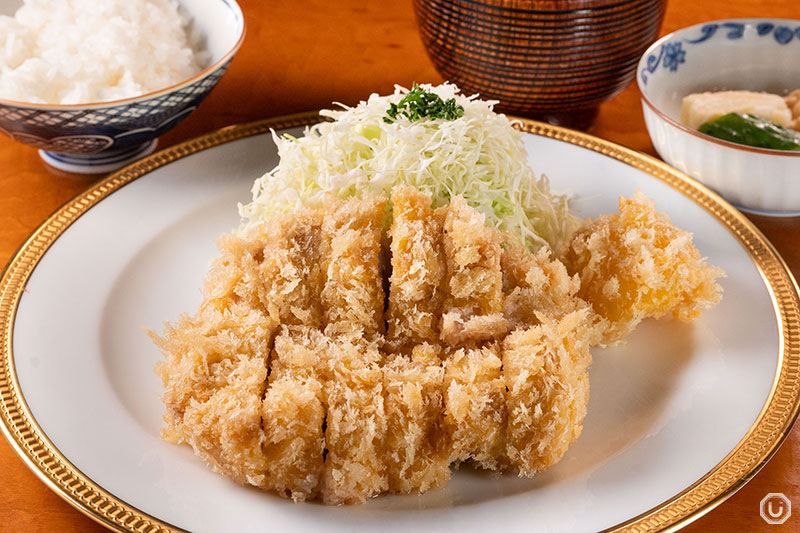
(555, 60)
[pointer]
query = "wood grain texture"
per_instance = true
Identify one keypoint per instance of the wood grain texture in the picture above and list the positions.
(540, 59)
(300, 56)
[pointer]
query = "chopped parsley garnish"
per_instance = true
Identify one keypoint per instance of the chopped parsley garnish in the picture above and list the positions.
(419, 104)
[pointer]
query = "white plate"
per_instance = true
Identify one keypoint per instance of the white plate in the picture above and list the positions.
(666, 409)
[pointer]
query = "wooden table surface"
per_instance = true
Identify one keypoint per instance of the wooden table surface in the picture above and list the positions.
(302, 55)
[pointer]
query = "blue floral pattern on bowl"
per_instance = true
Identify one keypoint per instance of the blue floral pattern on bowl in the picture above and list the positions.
(95, 138)
(96, 129)
(671, 54)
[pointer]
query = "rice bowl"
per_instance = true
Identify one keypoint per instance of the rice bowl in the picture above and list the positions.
(80, 52)
(100, 137)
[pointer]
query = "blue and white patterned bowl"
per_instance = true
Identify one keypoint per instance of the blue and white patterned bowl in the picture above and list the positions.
(759, 54)
(97, 138)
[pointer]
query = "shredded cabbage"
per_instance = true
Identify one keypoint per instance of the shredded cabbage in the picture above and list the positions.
(479, 156)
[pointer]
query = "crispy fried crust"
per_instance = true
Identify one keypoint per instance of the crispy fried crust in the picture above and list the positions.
(537, 283)
(417, 453)
(418, 269)
(300, 351)
(214, 378)
(293, 413)
(474, 406)
(290, 267)
(637, 264)
(536, 286)
(546, 374)
(353, 295)
(473, 307)
(285, 380)
(356, 424)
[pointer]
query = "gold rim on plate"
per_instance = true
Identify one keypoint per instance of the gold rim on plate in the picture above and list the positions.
(748, 456)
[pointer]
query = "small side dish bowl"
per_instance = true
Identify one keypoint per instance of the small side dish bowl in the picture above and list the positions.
(758, 54)
(101, 137)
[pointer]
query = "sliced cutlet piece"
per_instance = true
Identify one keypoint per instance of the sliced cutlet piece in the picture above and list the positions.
(637, 264)
(536, 284)
(546, 372)
(214, 374)
(215, 371)
(473, 308)
(475, 407)
(356, 423)
(418, 269)
(353, 296)
(416, 449)
(288, 276)
(233, 276)
(293, 413)
(215, 367)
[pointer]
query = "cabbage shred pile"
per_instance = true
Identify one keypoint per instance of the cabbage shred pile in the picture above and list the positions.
(478, 155)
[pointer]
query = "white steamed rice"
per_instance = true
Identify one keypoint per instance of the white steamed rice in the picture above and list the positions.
(82, 51)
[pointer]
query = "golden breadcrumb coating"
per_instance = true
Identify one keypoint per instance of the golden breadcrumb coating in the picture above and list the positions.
(289, 378)
(637, 264)
(474, 280)
(473, 308)
(226, 428)
(474, 406)
(300, 351)
(230, 279)
(291, 265)
(356, 425)
(293, 414)
(277, 268)
(537, 285)
(353, 293)
(214, 378)
(546, 373)
(418, 269)
(216, 368)
(417, 453)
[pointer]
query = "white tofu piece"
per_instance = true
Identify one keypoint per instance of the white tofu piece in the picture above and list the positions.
(699, 108)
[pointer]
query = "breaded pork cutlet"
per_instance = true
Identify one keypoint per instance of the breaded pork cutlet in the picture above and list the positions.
(545, 368)
(537, 285)
(285, 378)
(293, 413)
(215, 370)
(475, 406)
(356, 422)
(314, 379)
(418, 269)
(215, 367)
(473, 307)
(353, 296)
(290, 268)
(637, 264)
(213, 382)
(417, 450)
